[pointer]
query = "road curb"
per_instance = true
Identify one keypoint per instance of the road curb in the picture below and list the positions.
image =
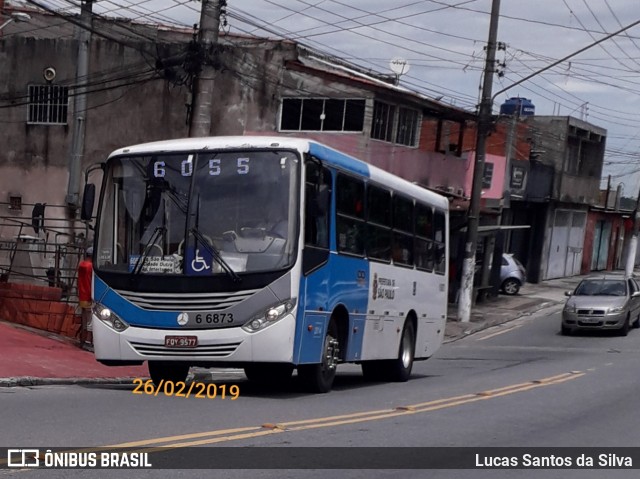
(25, 381)
(489, 323)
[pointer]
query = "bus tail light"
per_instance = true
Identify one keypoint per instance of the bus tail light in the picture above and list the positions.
(109, 318)
(269, 317)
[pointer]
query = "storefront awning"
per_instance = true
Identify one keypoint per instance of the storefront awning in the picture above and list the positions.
(495, 228)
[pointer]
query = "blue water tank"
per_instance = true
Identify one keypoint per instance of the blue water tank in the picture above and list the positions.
(514, 105)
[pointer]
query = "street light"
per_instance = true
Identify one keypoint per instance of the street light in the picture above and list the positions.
(16, 17)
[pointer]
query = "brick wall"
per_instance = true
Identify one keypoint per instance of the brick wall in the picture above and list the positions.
(39, 307)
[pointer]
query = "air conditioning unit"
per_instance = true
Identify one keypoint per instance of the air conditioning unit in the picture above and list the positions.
(460, 192)
(451, 189)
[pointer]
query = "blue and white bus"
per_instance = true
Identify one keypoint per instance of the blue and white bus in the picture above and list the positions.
(269, 254)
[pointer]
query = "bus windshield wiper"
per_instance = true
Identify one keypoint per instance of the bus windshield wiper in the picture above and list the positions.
(216, 255)
(147, 247)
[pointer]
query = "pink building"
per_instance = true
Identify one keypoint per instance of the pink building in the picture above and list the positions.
(493, 186)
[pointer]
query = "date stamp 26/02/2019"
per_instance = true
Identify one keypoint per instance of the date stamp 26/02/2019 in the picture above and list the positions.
(185, 390)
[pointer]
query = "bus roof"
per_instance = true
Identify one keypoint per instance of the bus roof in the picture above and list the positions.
(213, 143)
(334, 157)
(384, 178)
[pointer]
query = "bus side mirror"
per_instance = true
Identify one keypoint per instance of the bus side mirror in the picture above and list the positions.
(88, 199)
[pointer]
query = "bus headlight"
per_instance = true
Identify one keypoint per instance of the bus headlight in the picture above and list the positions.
(109, 318)
(270, 316)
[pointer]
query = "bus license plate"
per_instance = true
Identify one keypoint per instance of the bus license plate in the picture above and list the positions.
(180, 341)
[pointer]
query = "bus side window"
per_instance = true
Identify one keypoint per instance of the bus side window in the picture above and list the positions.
(378, 223)
(350, 215)
(424, 237)
(402, 242)
(318, 206)
(439, 237)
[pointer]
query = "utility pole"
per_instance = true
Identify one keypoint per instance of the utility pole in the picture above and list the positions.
(633, 241)
(202, 111)
(83, 34)
(483, 129)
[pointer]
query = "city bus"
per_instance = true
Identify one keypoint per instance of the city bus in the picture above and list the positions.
(271, 254)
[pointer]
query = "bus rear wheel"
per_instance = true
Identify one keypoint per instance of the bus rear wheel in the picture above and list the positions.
(399, 369)
(318, 378)
(167, 371)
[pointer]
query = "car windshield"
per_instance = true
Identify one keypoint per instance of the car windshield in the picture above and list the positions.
(601, 287)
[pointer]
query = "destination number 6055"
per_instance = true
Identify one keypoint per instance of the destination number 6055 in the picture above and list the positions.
(214, 318)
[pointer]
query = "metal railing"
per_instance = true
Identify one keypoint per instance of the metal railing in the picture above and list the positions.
(42, 251)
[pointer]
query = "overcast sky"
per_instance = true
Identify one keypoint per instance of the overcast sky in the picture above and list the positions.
(443, 42)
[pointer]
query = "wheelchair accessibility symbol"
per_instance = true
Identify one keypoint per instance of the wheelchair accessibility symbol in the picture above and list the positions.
(198, 263)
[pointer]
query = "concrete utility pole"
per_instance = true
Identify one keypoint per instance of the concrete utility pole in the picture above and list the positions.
(83, 35)
(483, 129)
(203, 90)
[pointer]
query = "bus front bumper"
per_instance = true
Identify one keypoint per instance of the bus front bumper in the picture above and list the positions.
(233, 345)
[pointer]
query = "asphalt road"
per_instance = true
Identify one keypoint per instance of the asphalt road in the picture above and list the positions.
(521, 384)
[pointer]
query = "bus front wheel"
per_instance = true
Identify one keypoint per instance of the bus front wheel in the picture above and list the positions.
(167, 371)
(318, 378)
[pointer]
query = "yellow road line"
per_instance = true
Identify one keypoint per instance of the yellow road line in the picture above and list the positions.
(376, 415)
(498, 333)
(220, 432)
(235, 434)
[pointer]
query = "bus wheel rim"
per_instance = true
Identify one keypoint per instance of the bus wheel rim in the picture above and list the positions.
(406, 350)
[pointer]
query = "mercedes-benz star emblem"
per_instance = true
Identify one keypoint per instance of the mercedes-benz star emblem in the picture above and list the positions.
(183, 318)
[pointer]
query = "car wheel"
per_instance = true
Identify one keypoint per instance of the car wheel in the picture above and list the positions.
(565, 330)
(636, 323)
(511, 286)
(624, 330)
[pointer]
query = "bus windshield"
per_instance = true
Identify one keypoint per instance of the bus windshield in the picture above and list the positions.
(158, 210)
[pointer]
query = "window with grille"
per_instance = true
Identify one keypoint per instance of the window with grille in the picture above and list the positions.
(48, 104)
(406, 124)
(407, 127)
(382, 124)
(322, 114)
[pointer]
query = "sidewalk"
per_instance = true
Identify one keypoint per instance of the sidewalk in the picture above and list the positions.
(532, 297)
(31, 357)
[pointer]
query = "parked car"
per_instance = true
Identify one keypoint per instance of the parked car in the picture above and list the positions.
(603, 302)
(512, 274)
